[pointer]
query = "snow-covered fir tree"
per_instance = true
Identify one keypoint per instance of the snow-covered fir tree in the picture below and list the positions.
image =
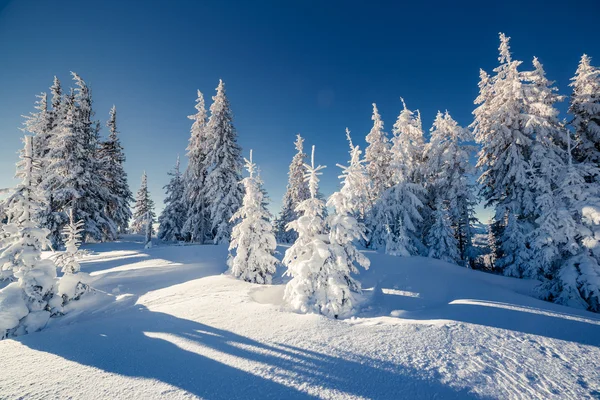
(574, 279)
(306, 258)
(345, 229)
(174, 214)
(378, 157)
(356, 184)
(446, 174)
(112, 158)
(320, 261)
(196, 227)
(546, 166)
(407, 147)
(49, 218)
(441, 239)
(71, 286)
(143, 209)
(67, 260)
(28, 303)
(72, 179)
(39, 125)
(585, 108)
(252, 237)
(223, 190)
(296, 192)
(396, 219)
(499, 127)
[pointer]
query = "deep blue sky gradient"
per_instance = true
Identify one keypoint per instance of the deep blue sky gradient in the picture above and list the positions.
(312, 67)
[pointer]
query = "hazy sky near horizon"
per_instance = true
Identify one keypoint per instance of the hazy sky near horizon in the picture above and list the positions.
(308, 67)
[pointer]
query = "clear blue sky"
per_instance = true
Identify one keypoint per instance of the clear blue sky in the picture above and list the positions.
(312, 67)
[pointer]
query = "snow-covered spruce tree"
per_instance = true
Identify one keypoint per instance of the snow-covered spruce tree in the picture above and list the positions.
(396, 221)
(446, 174)
(407, 147)
(49, 218)
(441, 239)
(296, 192)
(39, 125)
(173, 217)
(72, 175)
(546, 166)
(71, 285)
(143, 205)
(308, 258)
(223, 190)
(499, 128)
(26, 305)
(585, 108)
(357, 186)
(395, 218)
(112, 158)
(252, 237)
(196, 227)
(575, 279)
(378, 157)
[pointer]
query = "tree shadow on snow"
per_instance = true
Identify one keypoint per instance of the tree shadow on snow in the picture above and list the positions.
(218, 364)
(161, 266)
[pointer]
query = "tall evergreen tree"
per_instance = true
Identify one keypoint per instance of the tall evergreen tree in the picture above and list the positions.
(356, 186)
(499, 127)
(378, 157)
(575, 279)
(143, 209)
(296, 192)
(585, 108)
(40, 126)
(72, 173)
(252, 237)
(223, 191)
(546, 166)
(174, 214)
(404, 215)
(112, 158)
(441, 239)
(196, 227)
(446, 174)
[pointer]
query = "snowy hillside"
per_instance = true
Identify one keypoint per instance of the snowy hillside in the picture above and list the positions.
(165, 322)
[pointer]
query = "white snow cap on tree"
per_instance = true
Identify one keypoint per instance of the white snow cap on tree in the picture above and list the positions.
(252, 238)
(224, 192)
(296, 192)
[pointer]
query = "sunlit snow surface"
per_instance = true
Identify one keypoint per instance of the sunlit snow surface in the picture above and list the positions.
(165, 323)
